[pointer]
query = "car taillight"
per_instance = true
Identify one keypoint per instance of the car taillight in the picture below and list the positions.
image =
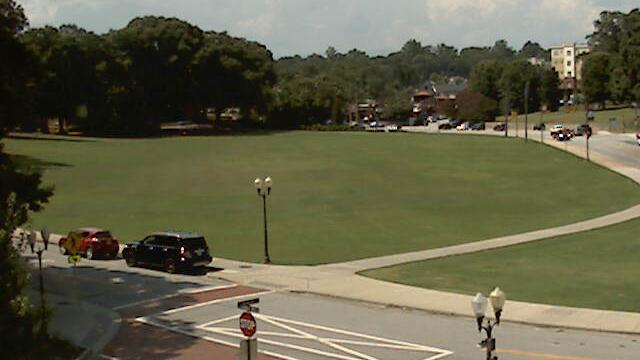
(182, 250)
(94, 239)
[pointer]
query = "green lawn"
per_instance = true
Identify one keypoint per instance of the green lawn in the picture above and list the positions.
(624, 119)
(336, 196)
(596, 269)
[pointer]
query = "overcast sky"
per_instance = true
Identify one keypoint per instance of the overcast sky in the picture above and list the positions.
(289, 27)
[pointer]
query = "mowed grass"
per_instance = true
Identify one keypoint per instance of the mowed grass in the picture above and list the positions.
(595, 269)
(336, 196)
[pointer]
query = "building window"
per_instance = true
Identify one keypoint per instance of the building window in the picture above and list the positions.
(569, 63)
(569, 74)
(568, 52)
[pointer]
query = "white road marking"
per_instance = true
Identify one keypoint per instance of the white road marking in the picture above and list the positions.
(207, 338)
(294, 331)
(180, 292)
(189, 307)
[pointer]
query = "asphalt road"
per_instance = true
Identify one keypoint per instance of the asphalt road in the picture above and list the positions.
(290, 325)
(622, 148)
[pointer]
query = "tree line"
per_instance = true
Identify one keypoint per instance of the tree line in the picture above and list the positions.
(611, 71)
(156, 69)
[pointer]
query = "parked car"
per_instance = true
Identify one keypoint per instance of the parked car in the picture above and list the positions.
(478, 126)
(499, 127)
(392, 128)
(455, 123)
(463, 127)
(172, 251)
(93, 243)
(539, 127)
(444, 126)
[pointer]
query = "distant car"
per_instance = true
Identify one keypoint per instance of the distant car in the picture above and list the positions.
(556, 129)
(563, 135)
(438, 117)
(539, 127)
(94, 243)
(444, 126)
(455, 123)
(463, 127)
(172, 251)
(478, 126)
(392, 128)
(499, 127)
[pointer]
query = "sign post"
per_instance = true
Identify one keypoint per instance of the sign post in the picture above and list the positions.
(249, 328)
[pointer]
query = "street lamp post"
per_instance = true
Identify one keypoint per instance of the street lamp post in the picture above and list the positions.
(479, 305)
(42, 300)
(263, 187)
(526, 111)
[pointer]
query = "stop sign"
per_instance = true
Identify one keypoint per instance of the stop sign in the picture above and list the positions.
(247, 324)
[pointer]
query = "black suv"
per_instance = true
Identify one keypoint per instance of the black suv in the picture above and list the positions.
(173, 251)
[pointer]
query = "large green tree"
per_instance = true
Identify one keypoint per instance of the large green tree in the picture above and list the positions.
(612, 70)
(513, 82)
(24, 335)
(595, 77)
(232, 72)
(155, 54)
(73, 81)
(14, 66)
(485, 78)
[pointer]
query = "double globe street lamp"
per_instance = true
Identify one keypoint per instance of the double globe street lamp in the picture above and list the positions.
(263, 186)
(479, 305)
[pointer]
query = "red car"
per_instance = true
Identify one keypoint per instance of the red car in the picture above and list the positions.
(94, 243)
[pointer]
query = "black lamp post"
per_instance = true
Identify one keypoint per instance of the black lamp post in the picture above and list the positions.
(42, 300)
(263, 186)
(479, 305)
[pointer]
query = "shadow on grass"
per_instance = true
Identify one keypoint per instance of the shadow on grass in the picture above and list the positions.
(27, 162)
(48, 137)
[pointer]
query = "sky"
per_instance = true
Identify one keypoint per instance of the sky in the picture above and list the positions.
(379, 27)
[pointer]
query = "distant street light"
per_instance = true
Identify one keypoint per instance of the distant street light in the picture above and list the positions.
(479, 306)
(263, 186)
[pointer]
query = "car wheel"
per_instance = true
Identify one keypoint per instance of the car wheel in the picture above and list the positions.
(170, 266)
(88, 253)
(61, 248)
(130, 260)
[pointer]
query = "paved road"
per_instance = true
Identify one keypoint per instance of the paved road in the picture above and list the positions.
(161, 316)
(621, 148)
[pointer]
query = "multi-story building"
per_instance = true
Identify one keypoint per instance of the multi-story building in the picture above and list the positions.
(567, 62)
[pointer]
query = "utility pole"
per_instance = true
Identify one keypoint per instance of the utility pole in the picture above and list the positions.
(506, 118)
(526, 110)
(542, 128)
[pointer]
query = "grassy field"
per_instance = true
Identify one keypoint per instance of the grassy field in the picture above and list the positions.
(624, 119)
(596, 269)
(336, 196)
